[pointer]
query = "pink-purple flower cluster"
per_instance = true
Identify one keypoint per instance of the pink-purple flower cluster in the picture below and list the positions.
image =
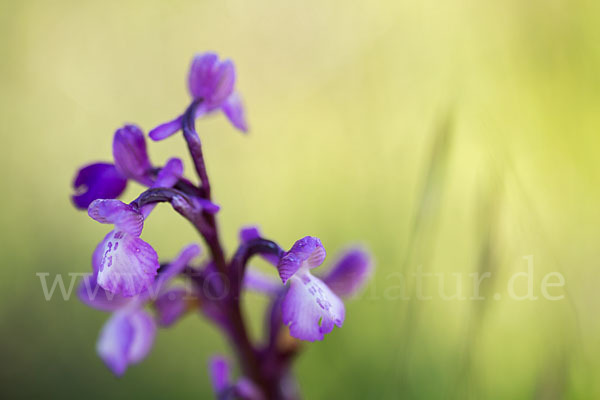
(128, 280)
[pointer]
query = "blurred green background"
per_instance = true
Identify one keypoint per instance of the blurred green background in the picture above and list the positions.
(456, 136)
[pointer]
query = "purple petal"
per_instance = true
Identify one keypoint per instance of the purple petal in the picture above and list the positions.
(145, 331)
(245, 389)
(169, 174)
(223, 83)
(167, 177)
(171, 305)
(211, 80)
(248, 233)
(259, 282)
(200, 78)
(91, 294)
(123, 216)
(349, 273)
(128, 264)
(307, 253)
(310, 308)
(178, 264)
(207, 205)
(165, 130)
(219, 374)
(129, 152)
(234, 110)
(114, 342)
(125, 339)
(97, 181)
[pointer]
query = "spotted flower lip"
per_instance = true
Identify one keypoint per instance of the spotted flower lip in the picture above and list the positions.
(310, 309)
(123, 263)
(212, 82)
(128, 264)
(93, 295)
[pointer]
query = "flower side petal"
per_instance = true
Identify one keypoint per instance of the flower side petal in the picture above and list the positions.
(177, 265)
(166, 129)
(349, 273)
(169, 174)
(201, 75)
(245, 389)
(219, 374)
(167, 177)
(170, 306)
(130, 154)
(247, 233)
(263, 283)
(114, 342)
(144, 333)
(222, 83)
(126, 339)
(234, 111)
(97, 181)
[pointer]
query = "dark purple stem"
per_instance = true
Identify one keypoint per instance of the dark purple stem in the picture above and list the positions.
(266, 367)
(243, 254)
(192, 139)
(188, 122)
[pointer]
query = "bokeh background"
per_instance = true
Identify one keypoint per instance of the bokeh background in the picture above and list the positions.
(455, 136)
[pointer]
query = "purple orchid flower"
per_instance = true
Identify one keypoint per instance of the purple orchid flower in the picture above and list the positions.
(108, 181)
(312, 305)
(310, 308)
(129, 333)
(123, 262)
(212, 82)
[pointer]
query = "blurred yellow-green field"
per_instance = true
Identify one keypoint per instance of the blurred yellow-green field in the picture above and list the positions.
(448, 137)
